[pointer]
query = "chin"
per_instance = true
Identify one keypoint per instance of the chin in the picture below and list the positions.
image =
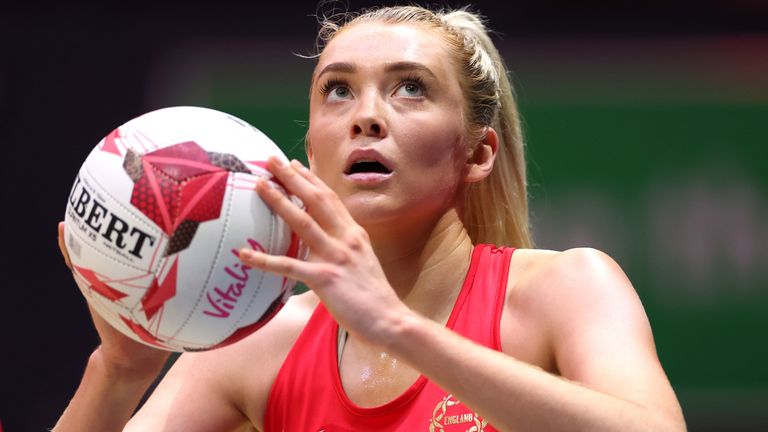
(372, 216)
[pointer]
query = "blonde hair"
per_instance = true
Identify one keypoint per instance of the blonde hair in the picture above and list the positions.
(496, 207)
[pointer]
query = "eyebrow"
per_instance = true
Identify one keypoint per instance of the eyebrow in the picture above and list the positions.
(409, 66)
(337, 67)
(390, 67)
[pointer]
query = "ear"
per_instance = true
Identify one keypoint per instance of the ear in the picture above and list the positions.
(480, 162)
(308, 147)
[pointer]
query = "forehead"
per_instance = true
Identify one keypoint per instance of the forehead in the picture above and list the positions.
(377, 44)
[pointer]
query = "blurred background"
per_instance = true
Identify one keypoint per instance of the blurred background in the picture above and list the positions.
(647, 133)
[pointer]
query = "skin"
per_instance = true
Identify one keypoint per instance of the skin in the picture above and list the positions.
(388, 254)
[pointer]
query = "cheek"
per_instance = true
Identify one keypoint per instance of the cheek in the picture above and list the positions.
(324, 123)
(438, 149)
(321, 148)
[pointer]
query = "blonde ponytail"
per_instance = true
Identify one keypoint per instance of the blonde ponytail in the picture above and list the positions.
(497, 207)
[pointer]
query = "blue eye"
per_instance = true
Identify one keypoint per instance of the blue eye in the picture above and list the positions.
(340, 92)
(335, 90)
(411, 88)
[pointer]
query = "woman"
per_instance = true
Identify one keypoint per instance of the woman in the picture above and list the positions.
(416, 162)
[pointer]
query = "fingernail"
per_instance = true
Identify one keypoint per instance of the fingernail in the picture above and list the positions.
(298, 165)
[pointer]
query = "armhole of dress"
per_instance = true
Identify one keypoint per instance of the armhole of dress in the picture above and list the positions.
(341, 340)
(501, 297)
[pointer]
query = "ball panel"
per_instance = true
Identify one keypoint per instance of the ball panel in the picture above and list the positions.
(243, 332)
(113, 252)
(213, 130)
(115, 313)
(98, 214)
(187, 271)
(238, 296)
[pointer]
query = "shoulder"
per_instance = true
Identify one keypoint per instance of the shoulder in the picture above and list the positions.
(546, 279)
(276, 337)
(585, 261)
(554, 294)
(583, 303)
(583, 309)
(575, 300)
(256, 360)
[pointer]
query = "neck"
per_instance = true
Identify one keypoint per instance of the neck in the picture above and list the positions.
(427, 265)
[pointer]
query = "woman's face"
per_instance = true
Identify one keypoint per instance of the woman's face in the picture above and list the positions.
(386, 130)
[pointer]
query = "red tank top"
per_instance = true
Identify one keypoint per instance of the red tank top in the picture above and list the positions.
(308, 395)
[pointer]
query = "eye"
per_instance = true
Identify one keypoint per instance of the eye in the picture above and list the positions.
(338, 92)
(335, 90)
(412, 88)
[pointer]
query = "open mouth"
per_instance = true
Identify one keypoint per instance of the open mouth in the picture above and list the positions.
(365, 167)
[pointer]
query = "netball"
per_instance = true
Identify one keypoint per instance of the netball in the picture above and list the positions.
(154, 221)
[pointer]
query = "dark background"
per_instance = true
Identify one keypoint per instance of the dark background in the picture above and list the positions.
(71, 72)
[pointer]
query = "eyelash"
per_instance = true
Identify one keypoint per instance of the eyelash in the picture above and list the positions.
(413, 79)
(332, 83)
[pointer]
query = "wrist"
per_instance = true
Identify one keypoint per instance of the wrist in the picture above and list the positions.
(398, 327)
(120, 371)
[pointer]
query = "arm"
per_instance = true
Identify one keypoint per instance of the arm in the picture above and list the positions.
(195, 395)
(106, 397)
(119, 372)
(603, 347)
(116, 377)
(225, 389)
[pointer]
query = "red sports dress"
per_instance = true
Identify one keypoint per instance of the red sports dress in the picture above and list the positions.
(308, 396)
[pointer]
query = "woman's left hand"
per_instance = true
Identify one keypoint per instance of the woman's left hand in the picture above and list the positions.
(342, 268)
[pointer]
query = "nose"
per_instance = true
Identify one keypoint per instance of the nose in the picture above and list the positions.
(369, 118)
(366, 128)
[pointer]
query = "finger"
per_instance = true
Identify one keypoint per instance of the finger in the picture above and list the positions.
(321, 202)
(63, 246)
(307, 174)
(302, 271)
(300, 222)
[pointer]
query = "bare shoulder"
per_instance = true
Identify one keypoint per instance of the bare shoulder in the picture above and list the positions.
(559, 282)
(583, 307)
(227, 388)
(256, 360)
(269, 345)
(547, 291)
(577, 289)
(584, 261)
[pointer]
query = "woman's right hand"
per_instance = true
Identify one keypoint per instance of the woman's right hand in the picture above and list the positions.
(120, 354)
